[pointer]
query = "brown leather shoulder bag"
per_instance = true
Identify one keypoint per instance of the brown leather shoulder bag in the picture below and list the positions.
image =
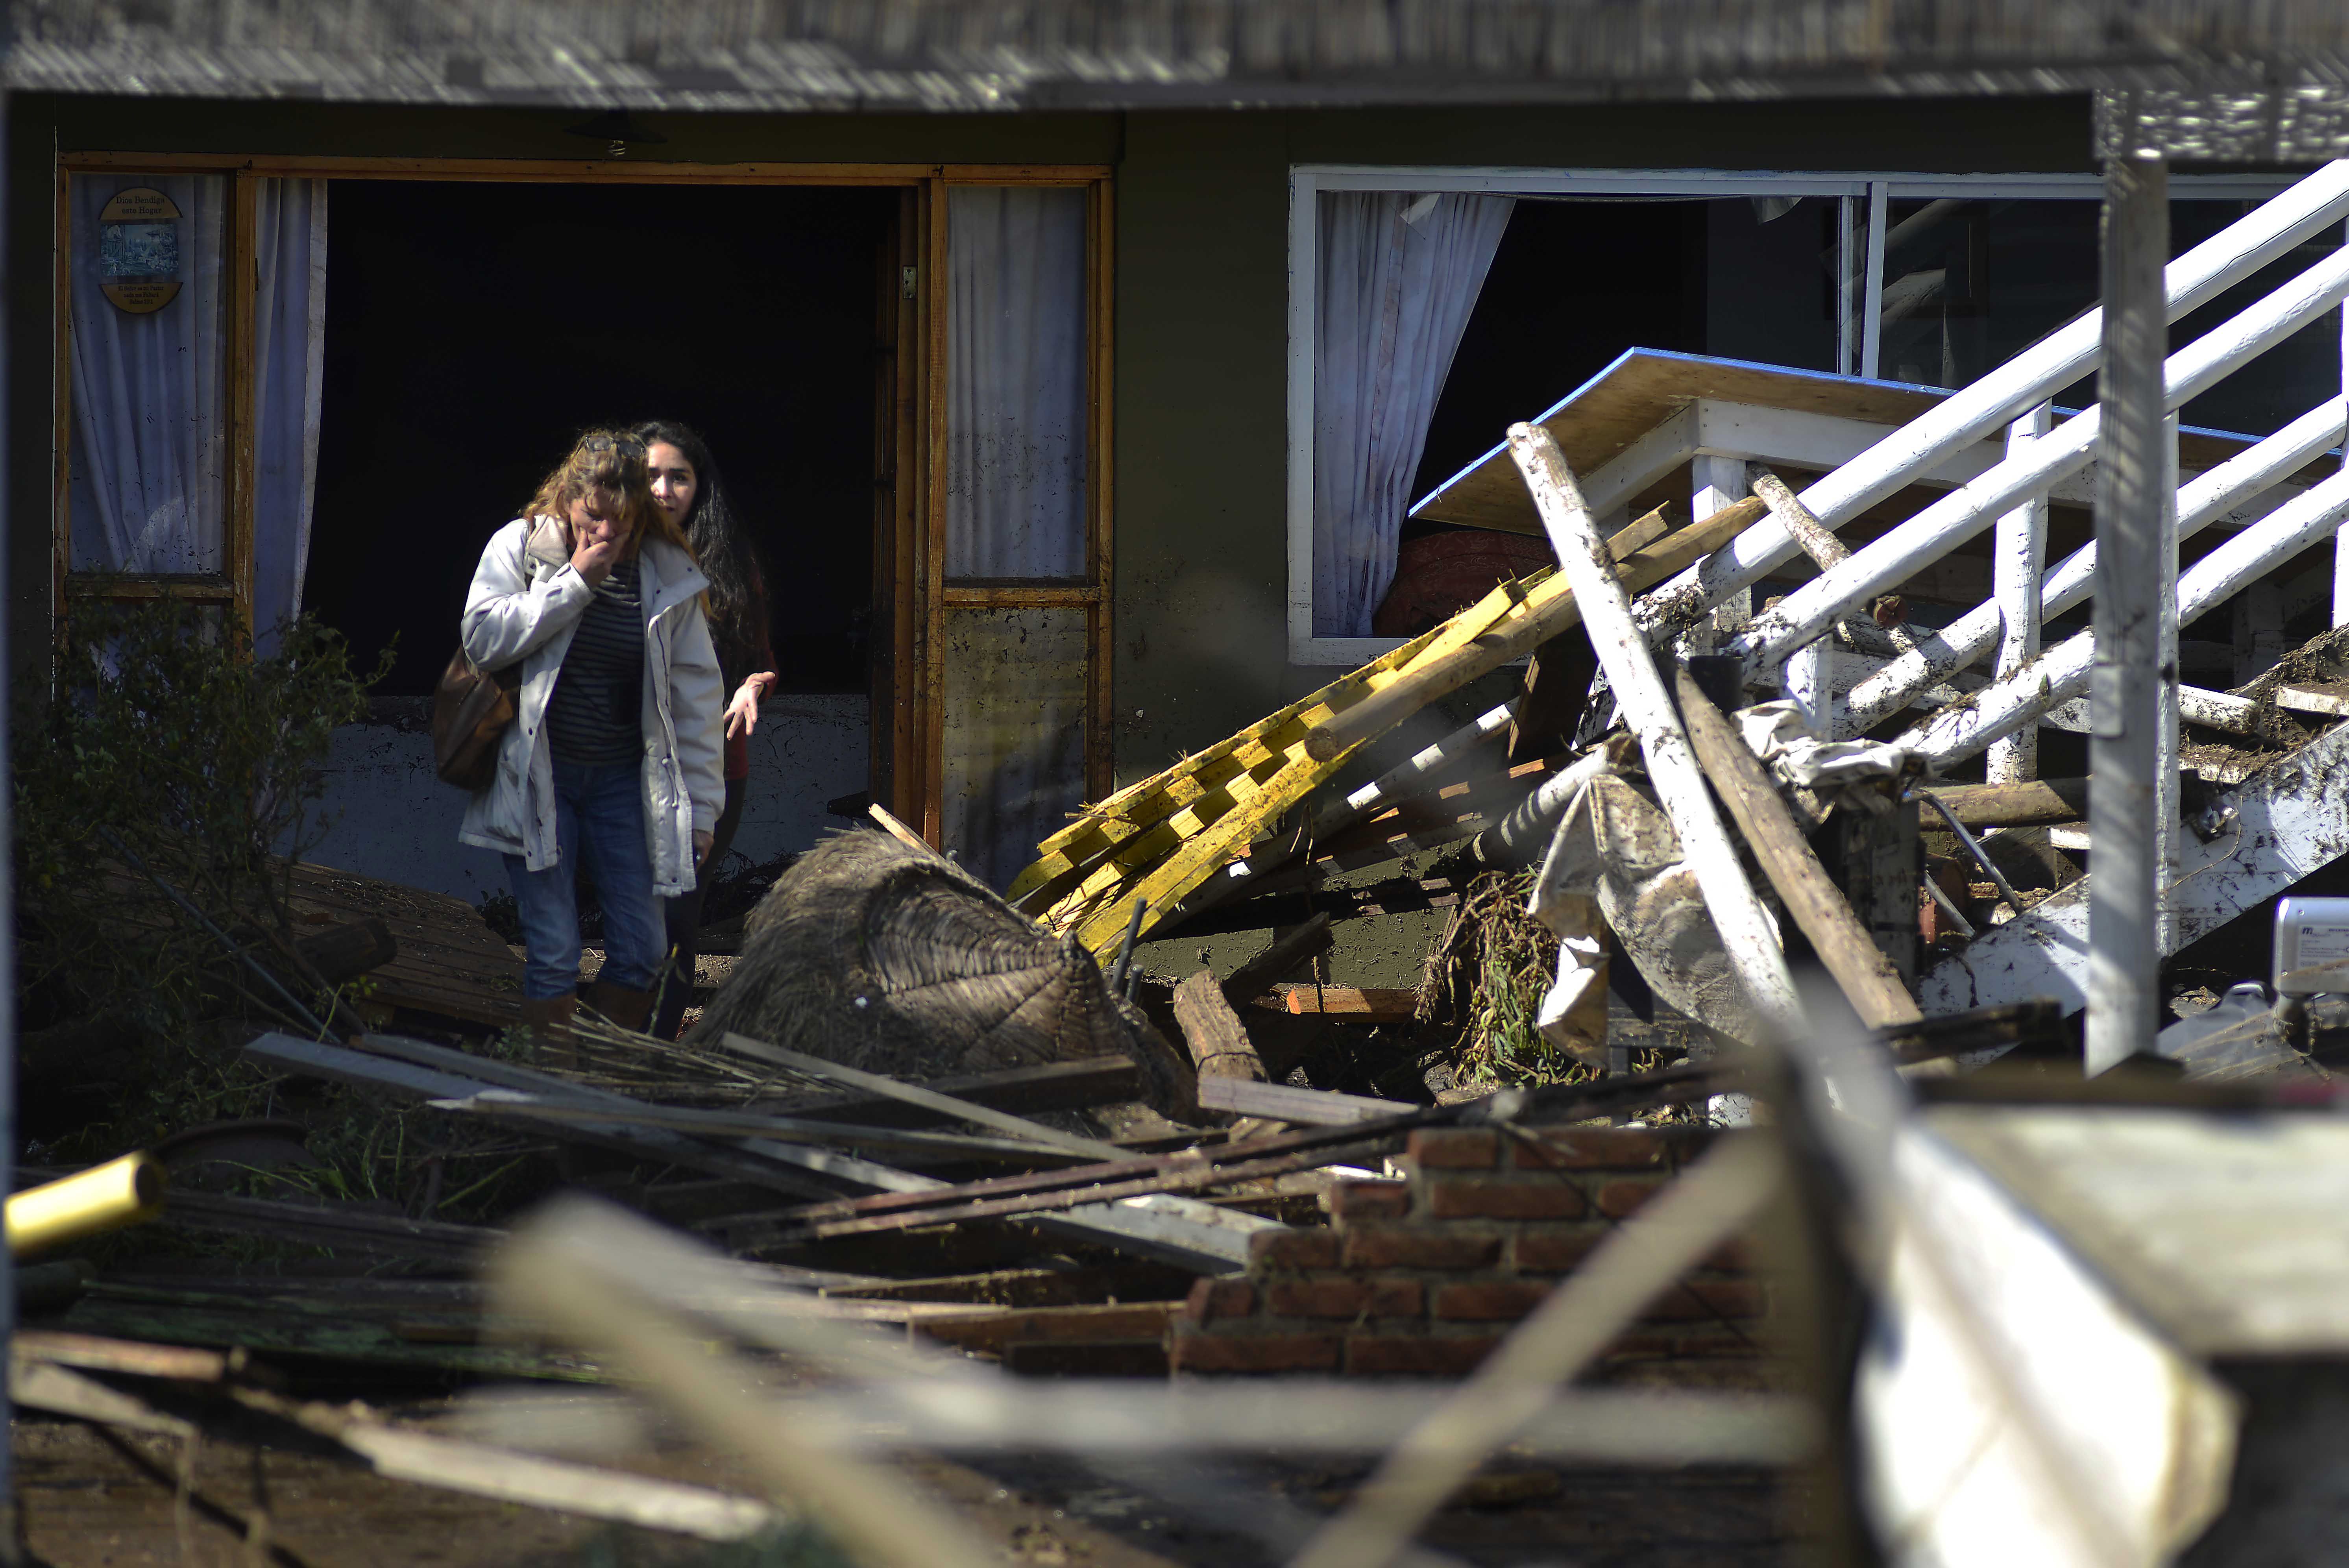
(471, 710)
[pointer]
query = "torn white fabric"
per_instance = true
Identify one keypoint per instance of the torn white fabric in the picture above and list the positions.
(1616, 849)
(1573, 1015)
(1777, 733)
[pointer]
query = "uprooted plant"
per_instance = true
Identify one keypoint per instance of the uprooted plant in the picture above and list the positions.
(163, 751)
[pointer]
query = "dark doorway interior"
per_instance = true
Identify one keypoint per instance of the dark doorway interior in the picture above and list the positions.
(473, 329)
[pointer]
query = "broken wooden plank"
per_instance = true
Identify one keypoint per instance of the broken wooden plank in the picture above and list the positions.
(1077, 1085)
(1558, 685)
(1031, 1287)
(97, 1353)
(1649, 713)
(726, 1124)
(1288, 1102)
(1368, 1003)
(1219, 1044)
(2024, 805)
(2262, 837)
(2327, 699)
(1868, 980)
(988, 1332)
(947, 1105)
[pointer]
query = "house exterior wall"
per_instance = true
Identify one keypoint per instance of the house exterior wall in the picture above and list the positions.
(1201, 291)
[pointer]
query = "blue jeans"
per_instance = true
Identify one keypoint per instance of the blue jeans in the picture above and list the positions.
(599, 826)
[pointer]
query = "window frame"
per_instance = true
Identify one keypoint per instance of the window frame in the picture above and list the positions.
(1872, 191)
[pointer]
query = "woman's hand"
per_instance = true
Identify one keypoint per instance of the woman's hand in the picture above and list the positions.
(742, 713)
(593, 554)
(701, 846)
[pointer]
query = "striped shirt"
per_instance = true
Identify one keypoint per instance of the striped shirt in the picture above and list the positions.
(596, 715)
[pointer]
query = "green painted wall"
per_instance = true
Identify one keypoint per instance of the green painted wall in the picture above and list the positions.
(1201, 281)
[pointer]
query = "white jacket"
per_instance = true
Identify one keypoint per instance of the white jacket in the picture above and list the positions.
(525, 602)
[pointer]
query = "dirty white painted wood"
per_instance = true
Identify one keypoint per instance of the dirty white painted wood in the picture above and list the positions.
(2018, 558)
(2330, 701)
(1884, 562)
(2284, 823)
(2241, 491)
(2221, 1230)
(2036, 373)
(1718, 483)
(2016, 1408)
(1648, 711)
(1288, 1102)
(2061, 672)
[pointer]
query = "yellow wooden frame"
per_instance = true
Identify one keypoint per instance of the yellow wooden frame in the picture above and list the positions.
(910, 519)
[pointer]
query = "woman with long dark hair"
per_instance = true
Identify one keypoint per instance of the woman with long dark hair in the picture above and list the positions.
(692, 498)
(612, 763)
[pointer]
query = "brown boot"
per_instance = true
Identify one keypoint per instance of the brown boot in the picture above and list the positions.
(628, 1008)
(547, 1020)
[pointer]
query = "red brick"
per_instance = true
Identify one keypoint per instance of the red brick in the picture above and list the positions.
(1488, 1301)
(1618, 1199)
(1419, 1355)
(1595, 1148)
(1556, 1251)
(1385, 1247)
(1342, 1298)
(1702, 1300)
(1211, 1300)
(1455, 1149)
(1370, 1200)
(1255, 1353)
(1305, 1249)
(1536, 1198)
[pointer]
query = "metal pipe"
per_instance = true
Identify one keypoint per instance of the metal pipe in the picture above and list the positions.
(1973, 848)
(2209, 497)
(2036, 373)
(2126, 696)
(1956, 517)
(2062, 674)
(1746, 932)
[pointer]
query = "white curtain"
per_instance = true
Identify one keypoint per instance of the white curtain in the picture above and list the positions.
(149, 491)
(289, 344)
(1399, 276)
(1016, 401)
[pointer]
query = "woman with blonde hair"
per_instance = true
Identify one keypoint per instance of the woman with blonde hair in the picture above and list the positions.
(611, 765)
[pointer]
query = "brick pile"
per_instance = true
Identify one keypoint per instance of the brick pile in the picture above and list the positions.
(1422, 1276)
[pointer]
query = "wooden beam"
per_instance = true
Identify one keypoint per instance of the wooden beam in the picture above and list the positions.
(946, 1105)
(1558, 685)
(990, 1330)
(2017, 804)
(1219, 1043)
(1843, 944)
(1288, 1102)
(1367, 1004)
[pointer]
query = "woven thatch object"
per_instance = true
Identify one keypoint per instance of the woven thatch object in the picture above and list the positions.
(876, 955)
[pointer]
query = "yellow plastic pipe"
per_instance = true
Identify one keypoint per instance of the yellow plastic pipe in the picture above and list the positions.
(124, 1192)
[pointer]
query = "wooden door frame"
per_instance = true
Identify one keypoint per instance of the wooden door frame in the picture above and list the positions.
(1093, 592)
(910, 592)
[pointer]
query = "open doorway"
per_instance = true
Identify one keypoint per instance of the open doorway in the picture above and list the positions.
(474, 329)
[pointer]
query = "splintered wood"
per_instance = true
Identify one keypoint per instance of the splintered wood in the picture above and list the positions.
(1157, 841)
